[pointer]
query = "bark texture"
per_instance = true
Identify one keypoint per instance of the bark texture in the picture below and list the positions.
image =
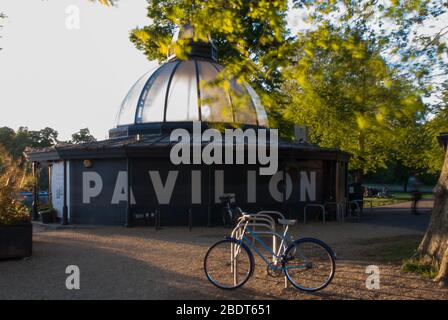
(434, 247)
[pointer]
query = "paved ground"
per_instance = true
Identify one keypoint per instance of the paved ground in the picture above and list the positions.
(140, 263)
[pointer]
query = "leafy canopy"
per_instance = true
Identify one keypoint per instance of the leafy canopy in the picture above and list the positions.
(345, 93)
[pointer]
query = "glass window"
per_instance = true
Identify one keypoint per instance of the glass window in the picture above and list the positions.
(153, 99)
(215, 102)
(126, 113)
(183, 95)
(261, 112)
(243, 106)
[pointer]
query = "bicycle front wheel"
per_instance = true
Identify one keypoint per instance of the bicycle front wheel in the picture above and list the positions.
(228, 264)
(309, 264)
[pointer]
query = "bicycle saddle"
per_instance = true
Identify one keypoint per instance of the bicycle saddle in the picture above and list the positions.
(227, 197)
(287, 222)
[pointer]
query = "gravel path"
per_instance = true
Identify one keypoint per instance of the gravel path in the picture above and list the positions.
(140, 263)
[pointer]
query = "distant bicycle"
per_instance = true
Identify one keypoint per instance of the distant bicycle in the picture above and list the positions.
(308, 263)
(230, 212)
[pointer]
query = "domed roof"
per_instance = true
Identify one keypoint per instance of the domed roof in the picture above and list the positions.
(185, 91)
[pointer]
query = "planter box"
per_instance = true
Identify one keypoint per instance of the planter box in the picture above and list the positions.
(46, 216)
(16, 241)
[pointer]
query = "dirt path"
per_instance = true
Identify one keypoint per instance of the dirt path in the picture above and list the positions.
(140, 263)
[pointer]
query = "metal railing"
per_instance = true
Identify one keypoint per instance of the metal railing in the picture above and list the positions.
(321, 206)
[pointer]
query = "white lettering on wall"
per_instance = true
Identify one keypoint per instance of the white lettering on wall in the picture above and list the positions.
(307, 186)
(92, 184)
(121, 189)
(163, 192)
(276, 194)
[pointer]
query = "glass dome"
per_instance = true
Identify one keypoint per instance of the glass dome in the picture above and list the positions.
(185, 91)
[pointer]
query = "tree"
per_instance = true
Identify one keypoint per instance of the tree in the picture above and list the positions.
(343, 90)
(16, 142)
(432, 128)
(83, 135)
(7, 136)
(433, 249)
(395, 28)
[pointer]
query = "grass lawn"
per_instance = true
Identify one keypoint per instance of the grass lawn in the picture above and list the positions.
(397, 197)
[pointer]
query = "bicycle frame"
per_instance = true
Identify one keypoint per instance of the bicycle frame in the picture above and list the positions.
(277, 256)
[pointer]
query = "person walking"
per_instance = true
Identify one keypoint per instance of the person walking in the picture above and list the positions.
(413, 185)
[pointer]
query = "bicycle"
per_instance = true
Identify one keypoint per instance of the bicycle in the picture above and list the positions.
(308, 264)
(230, 213)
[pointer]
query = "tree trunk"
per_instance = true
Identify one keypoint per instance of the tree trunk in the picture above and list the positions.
(434, 247)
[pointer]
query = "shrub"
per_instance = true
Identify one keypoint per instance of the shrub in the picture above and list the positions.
(12, 179)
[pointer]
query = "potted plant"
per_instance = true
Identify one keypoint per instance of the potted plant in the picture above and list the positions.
(15, 226)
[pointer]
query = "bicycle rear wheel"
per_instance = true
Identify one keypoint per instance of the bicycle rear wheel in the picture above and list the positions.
(228, 264)
(309, 264)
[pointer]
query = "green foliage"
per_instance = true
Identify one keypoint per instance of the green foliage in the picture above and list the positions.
(83, 135)
(16, 142)
(12, 179)
(372, 107)
(393, 27)
(434, 154)
(345, 93)
(416, 266)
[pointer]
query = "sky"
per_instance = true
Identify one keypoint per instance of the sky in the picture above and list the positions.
(53, 74)
(68, 73)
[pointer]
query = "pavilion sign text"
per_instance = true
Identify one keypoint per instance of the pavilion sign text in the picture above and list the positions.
(164, 187)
